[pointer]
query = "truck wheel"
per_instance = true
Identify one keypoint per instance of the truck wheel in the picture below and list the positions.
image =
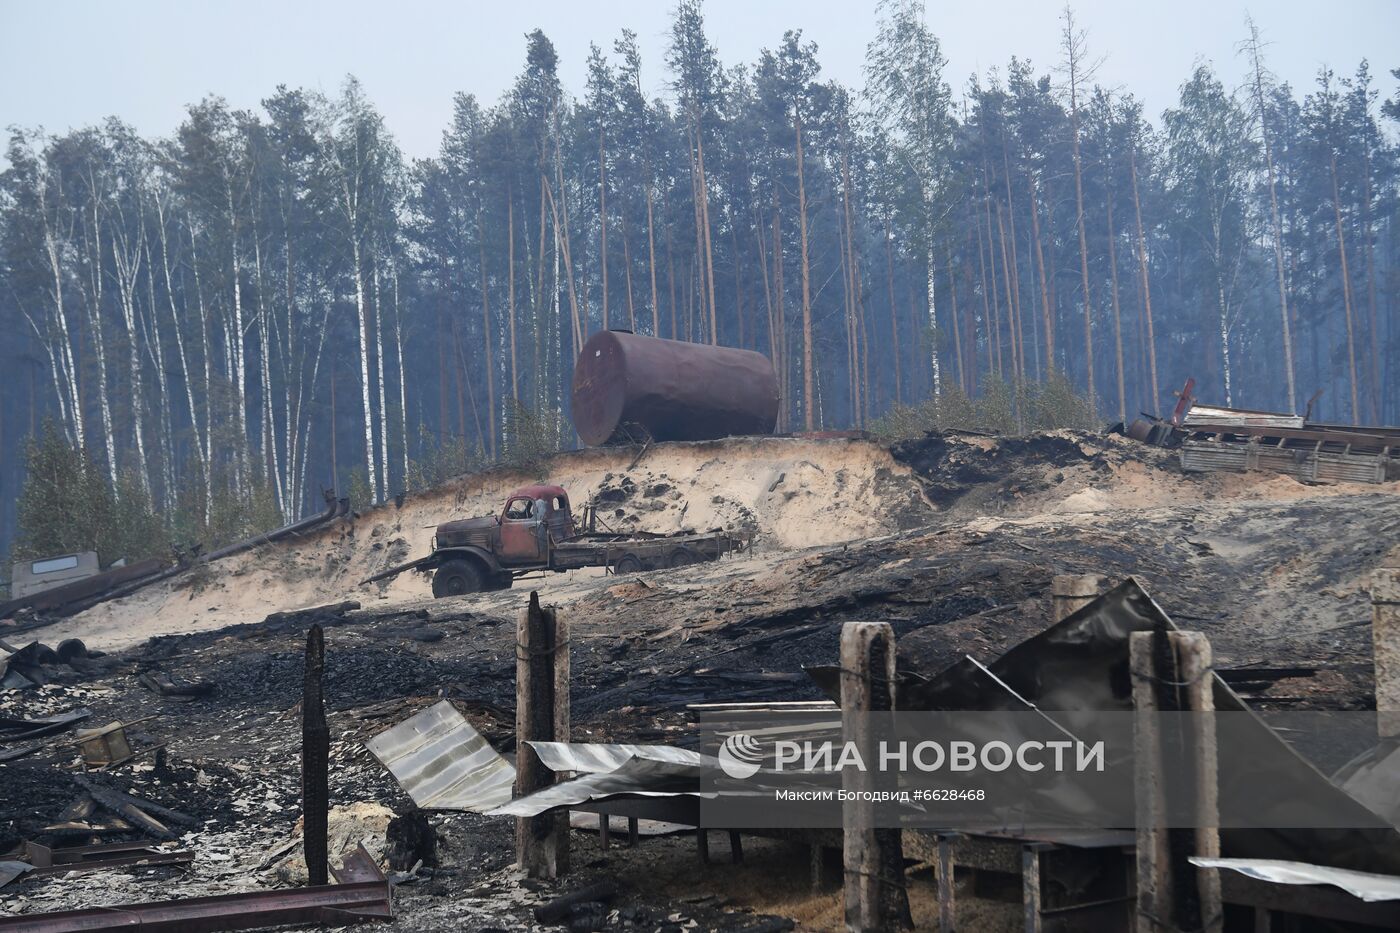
(456, 578)
(627, 563)
(683, 557)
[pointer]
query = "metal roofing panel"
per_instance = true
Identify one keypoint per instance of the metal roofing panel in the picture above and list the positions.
(1369, 886)
(601, 758)
(443, 763)
(1209, 414)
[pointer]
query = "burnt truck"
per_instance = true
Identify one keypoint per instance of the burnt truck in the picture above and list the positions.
(535, 531)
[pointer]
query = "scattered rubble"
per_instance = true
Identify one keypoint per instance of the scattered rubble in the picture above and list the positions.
(952, 539)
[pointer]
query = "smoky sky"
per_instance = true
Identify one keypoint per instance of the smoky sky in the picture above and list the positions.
(71, 63)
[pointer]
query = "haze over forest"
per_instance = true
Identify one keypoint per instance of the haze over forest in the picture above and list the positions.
(274, 300)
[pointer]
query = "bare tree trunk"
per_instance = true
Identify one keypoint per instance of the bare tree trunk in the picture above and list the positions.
(510, 292)
(963, 382)
(65, 367)
(1072, 55)
(770, 312)
(709, 246)
(270, 460)
(1375, 395)
(362, 315)
(808, 386)
(1146, 288)
(99, 342)
(603, 220)
(1020, 336)
(894, 314)
(987, 296)
(488, 340)
(994, 328)
(205, 353)
(1117, 315)
(1011, 322)
(155, 344)
(852, 286)
(651, 262)
(403, 396)
(1346, 291)
(127, 255)
(627, 274)
(779, 291)
(1047, 314)
(1277, 226)
(237, 348)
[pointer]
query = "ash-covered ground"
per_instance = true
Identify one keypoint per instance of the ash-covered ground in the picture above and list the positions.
(1271, 570)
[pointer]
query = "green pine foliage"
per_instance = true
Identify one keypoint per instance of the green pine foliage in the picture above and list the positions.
(1000, 408)
(67, 504)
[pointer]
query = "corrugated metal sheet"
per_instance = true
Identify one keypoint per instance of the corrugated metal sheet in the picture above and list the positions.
(443, 763)
(1209, 414)
(601, 758)
(1369, 886)
(640, 777)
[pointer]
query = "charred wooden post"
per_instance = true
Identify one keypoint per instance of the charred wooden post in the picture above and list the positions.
(410, 839)
(1070, 592)
(541, 715)
(875, 895)
(1175, 731)
(1385, 640)
(943, 875)
(1030, 886)
(315, 762)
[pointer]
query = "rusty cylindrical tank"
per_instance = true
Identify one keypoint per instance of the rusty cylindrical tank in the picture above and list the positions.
(673, 390)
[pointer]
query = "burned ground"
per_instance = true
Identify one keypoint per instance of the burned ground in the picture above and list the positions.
(1271, 573)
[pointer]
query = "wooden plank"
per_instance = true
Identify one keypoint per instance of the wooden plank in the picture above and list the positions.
(1071, 592)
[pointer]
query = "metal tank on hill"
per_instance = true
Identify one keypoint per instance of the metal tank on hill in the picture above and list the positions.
(628, 387)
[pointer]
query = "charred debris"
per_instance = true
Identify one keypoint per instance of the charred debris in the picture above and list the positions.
(1213, 439)
(498, 762)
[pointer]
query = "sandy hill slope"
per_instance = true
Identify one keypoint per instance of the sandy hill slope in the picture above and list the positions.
(794, 493)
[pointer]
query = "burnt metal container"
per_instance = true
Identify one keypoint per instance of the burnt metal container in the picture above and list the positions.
(671, 390)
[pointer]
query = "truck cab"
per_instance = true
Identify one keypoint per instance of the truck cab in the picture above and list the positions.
(484, 553)
(535, 531)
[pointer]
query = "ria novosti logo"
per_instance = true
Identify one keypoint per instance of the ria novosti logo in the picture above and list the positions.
(740, 756)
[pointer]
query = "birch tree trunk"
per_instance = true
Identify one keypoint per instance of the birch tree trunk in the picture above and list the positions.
(379, 373)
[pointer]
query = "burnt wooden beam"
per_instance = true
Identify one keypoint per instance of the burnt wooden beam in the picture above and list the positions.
(315, 762)
(541, 715)
(1385, 640)
(876, 898)
(1175, 776)
(1070, 592)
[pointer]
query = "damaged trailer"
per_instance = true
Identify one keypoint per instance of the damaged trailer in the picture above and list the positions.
(1212, 439)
